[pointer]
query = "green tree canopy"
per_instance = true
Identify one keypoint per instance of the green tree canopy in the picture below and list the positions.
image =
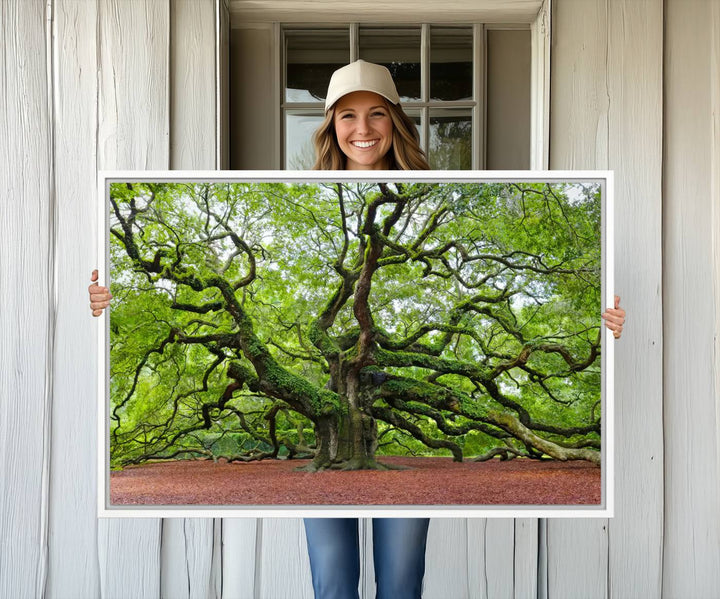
(341, 321)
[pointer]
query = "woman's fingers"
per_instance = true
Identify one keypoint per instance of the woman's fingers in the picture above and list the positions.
(615, 318)
(615, 327)
(99, 305)
(99, 296)
(94, 287)
(98, 293)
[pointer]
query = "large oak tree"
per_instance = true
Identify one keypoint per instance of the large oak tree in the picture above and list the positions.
(253, 320)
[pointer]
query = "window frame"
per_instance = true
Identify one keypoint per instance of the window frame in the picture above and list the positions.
(476, 106)
(537, 17)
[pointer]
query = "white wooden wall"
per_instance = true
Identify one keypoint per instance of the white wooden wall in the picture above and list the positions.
(133, 84)
(691, 285)
(606, 112)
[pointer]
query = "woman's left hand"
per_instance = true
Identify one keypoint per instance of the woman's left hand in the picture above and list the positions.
(615, 318)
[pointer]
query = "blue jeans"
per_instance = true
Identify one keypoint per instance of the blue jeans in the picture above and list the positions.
(398, 552)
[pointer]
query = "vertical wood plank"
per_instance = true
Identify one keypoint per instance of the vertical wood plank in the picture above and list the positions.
(187, 559)
(133, 131)
(577, 554)
(73, 560)
(476, 559)
(491, 548)
(715, 193)
(189, 566)
(577, 558)
(542, 572)
(635, 89)
(27, 311)
(283, 566)
(239, 557)
(239, 548)
(133, 126)
(579, 100)
(691, 403)
(193, 85)
(447, 559)
(607, 113)
(500, 557)
(525, 560)
(129, 556)
(216, 572)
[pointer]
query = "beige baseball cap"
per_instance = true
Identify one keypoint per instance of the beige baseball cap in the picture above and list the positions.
(361, 76)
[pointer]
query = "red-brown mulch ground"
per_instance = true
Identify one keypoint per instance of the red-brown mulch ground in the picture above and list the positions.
(431, 481)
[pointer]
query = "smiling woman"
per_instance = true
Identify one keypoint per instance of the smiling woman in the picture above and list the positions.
(365, 128)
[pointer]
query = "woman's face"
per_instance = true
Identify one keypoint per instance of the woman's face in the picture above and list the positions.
(364, 130)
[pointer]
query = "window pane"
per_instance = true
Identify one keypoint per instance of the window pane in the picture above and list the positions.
(414, 115)
(299, 149)
(399, 51)
(450, 139)
(311, 58)
(451, 56)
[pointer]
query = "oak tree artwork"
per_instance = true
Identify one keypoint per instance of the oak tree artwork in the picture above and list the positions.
(346, 321)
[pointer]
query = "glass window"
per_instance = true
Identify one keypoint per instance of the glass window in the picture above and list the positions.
(450, 144)
(416, 115)
(451, 63)
(437, 70)
(310, 59)
(399, 51)
(299, 149)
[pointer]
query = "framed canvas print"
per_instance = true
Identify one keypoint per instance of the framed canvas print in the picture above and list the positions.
(339, 344)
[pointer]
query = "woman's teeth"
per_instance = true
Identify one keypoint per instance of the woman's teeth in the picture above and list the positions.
(364, 144)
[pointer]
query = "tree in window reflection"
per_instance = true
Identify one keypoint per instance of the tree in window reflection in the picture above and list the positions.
(450, 144)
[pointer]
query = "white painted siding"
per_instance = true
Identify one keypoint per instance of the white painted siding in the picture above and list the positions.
(73, 542)
(635, 88)
(576, 550)
(133, 133)
(451, 547)
(239, 557)
(106, 92)
(193, 85)
(606, 112)
(692, 404)
(27, 311)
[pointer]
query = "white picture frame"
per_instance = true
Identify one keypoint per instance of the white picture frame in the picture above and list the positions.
(603, 510)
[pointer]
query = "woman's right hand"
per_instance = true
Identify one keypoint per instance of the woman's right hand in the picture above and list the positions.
(99, 296)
